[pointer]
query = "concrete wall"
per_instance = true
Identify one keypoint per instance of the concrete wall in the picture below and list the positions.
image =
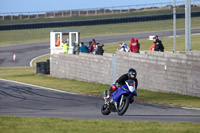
(167, 72)
(83, 67)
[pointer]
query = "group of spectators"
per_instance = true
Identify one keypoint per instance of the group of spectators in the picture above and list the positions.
(92, 47)
(96, 48)
(157, 45)
(134, 45)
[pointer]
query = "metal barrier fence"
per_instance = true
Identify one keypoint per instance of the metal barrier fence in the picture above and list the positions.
(95, 22)
(92, 12)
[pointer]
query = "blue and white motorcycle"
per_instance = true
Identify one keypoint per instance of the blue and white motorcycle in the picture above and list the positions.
(120, 99)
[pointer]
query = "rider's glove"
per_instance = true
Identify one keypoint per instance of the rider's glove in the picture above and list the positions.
(118, 85)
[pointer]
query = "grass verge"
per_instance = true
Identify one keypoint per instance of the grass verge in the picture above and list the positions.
(145, 44)
(26, 75)
(167, 42)
(60, 125)
(39, 35)
(80, 18)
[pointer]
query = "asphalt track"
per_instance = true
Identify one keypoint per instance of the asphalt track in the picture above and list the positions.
(26, 52)
(26, 100)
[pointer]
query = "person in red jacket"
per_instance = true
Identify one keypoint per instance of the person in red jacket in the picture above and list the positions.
(138, 45)
(92, 45)
(131, 41)
(134, 45)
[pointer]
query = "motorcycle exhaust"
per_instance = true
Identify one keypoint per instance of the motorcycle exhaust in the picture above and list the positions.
(106, 97)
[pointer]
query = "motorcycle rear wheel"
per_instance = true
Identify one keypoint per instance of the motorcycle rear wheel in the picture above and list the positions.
(124, 107)
(104, 110)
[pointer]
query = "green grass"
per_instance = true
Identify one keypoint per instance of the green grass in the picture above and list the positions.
(10, 124)
(30, 76)
(61, 125)
(38, 35)
(23, 74)
(167, 42)
(41, 59)
(77, 18)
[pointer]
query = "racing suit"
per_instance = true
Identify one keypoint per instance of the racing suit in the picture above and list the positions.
(121, 81)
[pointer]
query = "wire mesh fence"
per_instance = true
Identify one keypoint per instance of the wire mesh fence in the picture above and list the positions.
(162, 7)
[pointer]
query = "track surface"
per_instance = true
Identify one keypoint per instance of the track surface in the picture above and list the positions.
(26, 52)
(25, 100)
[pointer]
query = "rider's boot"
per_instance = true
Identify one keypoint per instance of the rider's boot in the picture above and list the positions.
(132, 100)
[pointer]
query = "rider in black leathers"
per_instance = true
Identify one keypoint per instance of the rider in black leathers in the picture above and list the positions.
(121, 81)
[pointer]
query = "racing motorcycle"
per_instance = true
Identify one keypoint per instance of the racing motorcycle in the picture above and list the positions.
(120, 99)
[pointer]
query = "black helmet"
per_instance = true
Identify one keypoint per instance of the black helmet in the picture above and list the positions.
(132, 72)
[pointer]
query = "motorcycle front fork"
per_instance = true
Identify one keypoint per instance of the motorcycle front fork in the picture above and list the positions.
(121, 100)
(120, 103)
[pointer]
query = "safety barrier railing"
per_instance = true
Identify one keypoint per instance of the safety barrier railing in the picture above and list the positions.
(93, 11)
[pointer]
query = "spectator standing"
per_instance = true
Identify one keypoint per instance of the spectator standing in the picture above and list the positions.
(74, 47)
(160, 46)
(58, 41)
(95, 48)
(88, 45)
(65, 47)
(134, 45)
(157, 45)
(99, 49)
(131, 41)
(91, 48)
(83, 48)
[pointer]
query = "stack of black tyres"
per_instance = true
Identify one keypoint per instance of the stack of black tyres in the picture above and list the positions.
(43, 67)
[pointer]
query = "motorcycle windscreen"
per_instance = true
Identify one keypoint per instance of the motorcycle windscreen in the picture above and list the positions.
(131, 85)
(120, 91)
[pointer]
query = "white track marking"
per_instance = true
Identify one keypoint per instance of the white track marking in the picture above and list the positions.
(31, 63)
(45, 88)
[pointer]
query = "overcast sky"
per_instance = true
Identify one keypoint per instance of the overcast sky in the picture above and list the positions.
(51, 5)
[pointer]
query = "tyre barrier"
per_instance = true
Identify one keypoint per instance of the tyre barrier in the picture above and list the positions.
(43, 67)
(95, 21)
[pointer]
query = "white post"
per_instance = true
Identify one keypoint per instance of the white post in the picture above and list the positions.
(70, 44)
(96, 11)
(187, 26)
(62, 13)
(20, 16)
(28, 15)
(11, 17)
(174, 24)
(37, 16)
(70, 13)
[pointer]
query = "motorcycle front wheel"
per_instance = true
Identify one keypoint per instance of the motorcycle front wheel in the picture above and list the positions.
(104, 110)
(124, 106)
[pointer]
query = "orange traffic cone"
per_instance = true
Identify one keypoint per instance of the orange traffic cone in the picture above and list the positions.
(14, 57)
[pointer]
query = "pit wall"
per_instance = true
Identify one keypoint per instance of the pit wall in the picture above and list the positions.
(167, 72)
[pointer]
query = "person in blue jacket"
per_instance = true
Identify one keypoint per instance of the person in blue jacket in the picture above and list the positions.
(83, 48)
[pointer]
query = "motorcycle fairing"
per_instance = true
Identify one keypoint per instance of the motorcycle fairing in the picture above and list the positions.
(120, 91)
